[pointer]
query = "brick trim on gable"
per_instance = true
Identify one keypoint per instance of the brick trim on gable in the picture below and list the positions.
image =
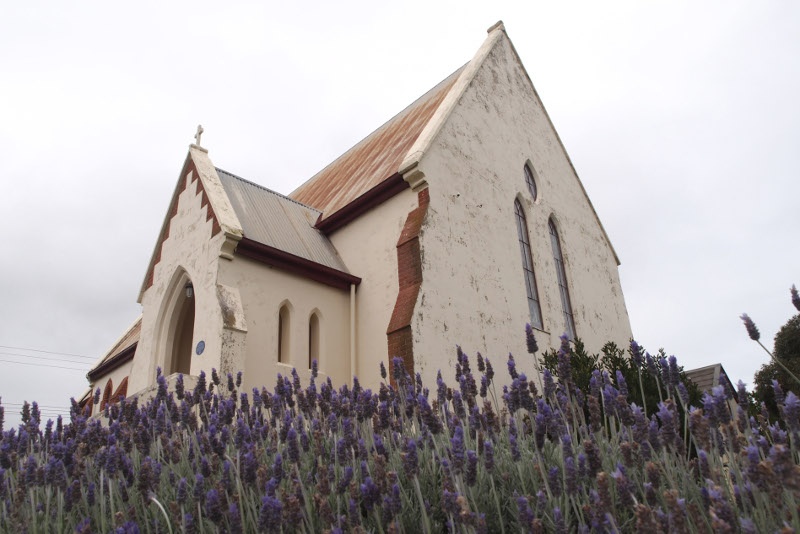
(173, 210)
(409, 271)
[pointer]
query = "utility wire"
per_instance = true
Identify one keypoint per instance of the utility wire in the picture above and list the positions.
(42, 358)
(41, 406)
(47, 352)
(83, 370)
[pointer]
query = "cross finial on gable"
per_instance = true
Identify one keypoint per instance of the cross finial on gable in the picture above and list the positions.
(198, 134)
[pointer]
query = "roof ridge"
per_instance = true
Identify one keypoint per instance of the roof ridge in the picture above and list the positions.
(267, 189)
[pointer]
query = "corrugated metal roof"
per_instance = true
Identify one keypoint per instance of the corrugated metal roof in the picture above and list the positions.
(703, 378)
(376, 158)
(279, 222)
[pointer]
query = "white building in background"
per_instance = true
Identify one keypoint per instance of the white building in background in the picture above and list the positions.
(457, 221)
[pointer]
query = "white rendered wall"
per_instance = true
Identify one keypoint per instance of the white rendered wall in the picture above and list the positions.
(368, 246)
(473, 291)
(263, 290)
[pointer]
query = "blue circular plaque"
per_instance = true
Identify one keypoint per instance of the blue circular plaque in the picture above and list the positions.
(201, 346)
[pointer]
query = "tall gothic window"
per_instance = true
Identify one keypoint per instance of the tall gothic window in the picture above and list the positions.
(530, 181)
(283, 334)
(313, 339)
(561, 273)
(527, 267)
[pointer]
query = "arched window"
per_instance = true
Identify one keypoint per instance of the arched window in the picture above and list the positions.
(313, 339)
(527, 267)
(530, 180)
(284, 319)
(561, 273)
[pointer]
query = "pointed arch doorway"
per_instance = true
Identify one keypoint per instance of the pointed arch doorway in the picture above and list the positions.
(177, 326)
(183, 334)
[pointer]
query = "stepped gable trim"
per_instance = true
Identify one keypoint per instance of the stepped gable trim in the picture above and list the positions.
(409, 270)
(213, 198)
(112, 363)
(361, 205)
(188, 167)
(295, 264)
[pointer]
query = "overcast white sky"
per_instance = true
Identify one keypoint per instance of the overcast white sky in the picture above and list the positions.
(682, 120)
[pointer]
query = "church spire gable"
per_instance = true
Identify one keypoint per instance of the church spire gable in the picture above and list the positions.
(198, 169)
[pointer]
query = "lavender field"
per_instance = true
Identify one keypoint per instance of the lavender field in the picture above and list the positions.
(463, 456)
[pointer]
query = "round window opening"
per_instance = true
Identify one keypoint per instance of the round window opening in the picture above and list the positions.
(529, 179)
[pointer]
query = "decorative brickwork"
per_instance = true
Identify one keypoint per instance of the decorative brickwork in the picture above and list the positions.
(409, 270)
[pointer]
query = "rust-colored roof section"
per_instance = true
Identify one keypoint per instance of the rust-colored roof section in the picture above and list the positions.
(375, 159)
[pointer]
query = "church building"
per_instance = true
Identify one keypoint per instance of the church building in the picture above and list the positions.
(458, 221)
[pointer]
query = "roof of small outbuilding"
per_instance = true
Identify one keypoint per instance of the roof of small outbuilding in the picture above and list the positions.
(705, 378)
(375, 158)
(123, 349)
(279, 222)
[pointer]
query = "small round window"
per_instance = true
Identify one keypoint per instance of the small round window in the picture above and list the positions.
(529, 179)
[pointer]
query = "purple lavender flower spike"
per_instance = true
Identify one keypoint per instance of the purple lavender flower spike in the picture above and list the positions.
(674, 373)
(795, 297)
(776, 388)
(471, 475)
(636, 354)
(393, 502)
(650, 362)
(488, 455)
(549, 384)
(752, 331)
(344, 481)
(571, 476)
(622, 384)
(564, 368)
(791, 412)
(554, 479)
(457, 449)
(526, 515)
(558, 521)
(269, 517)
(409, 456)
(213, 506)
(512, 366)
(530, 339)
(370, 494)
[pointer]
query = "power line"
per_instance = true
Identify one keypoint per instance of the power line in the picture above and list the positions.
(41, 357)
(47, 352)
(83, 370)
(41, 406)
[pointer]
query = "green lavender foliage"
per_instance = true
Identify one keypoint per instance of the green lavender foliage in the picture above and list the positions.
(469, 456)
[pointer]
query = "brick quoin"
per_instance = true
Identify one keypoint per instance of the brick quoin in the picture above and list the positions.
(409, 271)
